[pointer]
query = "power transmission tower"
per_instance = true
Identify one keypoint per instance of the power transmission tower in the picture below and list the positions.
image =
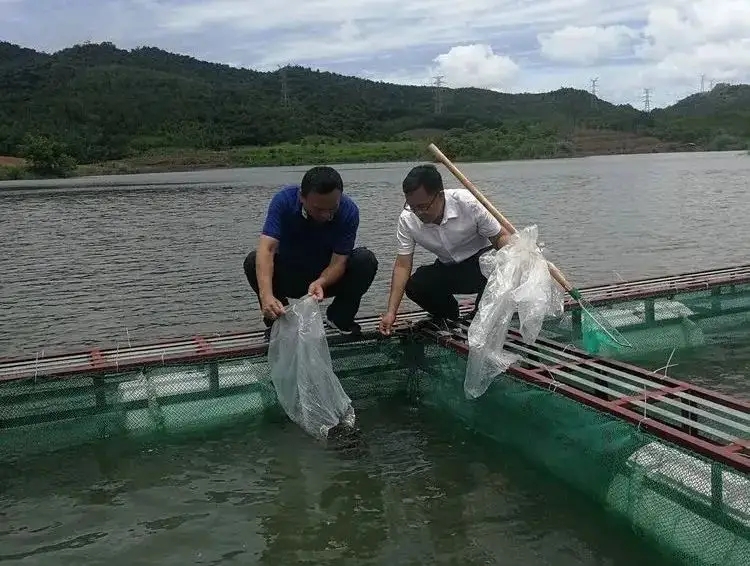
(284, 88)
(593, 90)
(703, 82)
(647, 99)
(438, 94)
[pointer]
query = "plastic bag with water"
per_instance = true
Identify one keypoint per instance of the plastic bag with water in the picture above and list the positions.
(302, 371)
(518, 280)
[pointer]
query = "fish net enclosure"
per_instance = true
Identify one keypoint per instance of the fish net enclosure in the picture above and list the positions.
(658, 325)
(689, 507)
(41, 414)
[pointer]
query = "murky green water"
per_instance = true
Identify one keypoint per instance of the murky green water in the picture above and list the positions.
(422, 491)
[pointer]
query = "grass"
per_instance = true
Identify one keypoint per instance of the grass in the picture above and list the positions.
(173, 159)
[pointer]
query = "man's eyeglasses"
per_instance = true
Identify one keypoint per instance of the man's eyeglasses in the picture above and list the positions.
(422, 207)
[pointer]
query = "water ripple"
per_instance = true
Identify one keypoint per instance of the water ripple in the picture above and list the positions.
(106, 265)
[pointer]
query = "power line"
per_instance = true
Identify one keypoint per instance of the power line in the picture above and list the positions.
(284, 87)
(647, 99)
(438, 94)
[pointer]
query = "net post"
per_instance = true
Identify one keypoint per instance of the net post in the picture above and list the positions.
(413, 352)
(650, 311)
(213, 376)
(100, 394)
(413, 358)
(716, 299)
(689, 415)
(717, 488)
(577, 318)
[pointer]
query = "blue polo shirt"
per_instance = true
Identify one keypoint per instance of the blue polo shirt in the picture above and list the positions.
(303, 243)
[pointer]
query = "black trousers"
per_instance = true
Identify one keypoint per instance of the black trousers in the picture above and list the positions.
(290, 282)
(432, 286)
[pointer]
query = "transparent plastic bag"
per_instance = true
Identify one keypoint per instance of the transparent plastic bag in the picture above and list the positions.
(518, 280)
(302, 371)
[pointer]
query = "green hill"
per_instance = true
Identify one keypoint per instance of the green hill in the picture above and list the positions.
(718, 119)
(104, 103)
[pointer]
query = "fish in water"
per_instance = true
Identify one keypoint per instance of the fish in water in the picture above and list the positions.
(345, 438)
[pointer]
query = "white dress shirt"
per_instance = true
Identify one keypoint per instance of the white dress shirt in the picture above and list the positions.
(464, 230)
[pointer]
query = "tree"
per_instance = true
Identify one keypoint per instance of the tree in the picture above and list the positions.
(46, 156)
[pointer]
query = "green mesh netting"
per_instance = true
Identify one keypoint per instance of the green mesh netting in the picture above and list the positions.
(40, 415)
(693, 509)
(659, 325)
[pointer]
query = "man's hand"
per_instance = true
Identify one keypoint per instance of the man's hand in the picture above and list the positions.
(386, 323)
(271, 307)
(316, 290)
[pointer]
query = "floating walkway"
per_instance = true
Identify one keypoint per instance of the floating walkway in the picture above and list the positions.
(671, 457)
(708, 423)
(668, 286)
(725, 286)
(660, 314)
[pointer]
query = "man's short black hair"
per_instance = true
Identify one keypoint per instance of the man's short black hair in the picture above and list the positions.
(322, 180)
(426, 176)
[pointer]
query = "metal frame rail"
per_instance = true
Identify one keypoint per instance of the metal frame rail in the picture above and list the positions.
(703, 421)
(200, 348)
(656, 287)
(706, 422)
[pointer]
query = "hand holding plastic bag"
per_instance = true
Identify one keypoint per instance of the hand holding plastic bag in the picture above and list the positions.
(302, 371)
(517, 280)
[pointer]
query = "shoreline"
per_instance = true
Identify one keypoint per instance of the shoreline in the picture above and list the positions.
(186, 160)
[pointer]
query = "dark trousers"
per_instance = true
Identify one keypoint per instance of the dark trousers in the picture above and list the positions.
(361, 267)
(432, 286)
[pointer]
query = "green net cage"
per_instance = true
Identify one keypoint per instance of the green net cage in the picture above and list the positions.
(662, 322)
(41, 414)
(689, 507)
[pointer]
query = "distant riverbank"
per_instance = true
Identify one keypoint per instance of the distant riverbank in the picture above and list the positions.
(466, 149)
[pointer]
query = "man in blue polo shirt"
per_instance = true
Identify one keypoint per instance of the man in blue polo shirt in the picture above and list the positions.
(307, 247)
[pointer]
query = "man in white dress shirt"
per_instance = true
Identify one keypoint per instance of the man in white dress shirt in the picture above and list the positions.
(453, 225)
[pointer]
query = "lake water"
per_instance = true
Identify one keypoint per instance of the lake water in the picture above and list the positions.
(147, 257)
(101, 261)
(422, 492)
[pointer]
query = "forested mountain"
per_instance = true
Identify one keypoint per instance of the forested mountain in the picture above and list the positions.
(103, 103)
(718, 119)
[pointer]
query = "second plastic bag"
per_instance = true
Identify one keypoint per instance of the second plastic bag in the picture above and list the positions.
(302, 371)
(517, 280)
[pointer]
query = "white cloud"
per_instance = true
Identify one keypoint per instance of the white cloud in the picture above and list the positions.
(475, 66)
(586, 45)
(726, 61)
(686, 39)
(682, 25)
(439, 14)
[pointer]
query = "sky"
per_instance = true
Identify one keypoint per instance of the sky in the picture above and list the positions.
(664, 46)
